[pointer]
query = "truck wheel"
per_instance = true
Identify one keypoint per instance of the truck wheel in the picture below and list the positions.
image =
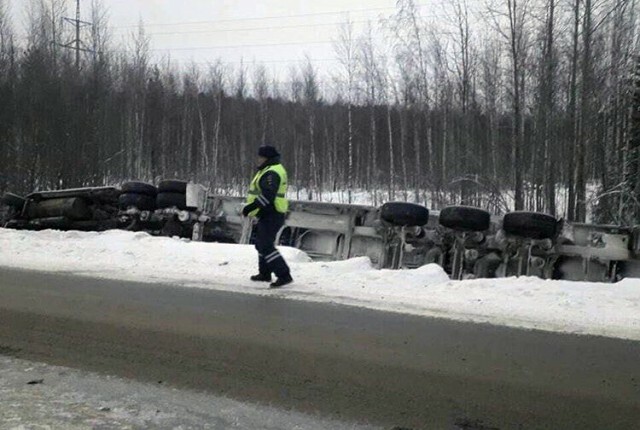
(136, 187)
(404, 214)
(13, 200)
(532, 225)
(142, 202)
(169, 200)
(172, 186)
(465, 218)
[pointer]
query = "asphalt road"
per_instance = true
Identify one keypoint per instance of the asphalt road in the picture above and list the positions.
(341, 362)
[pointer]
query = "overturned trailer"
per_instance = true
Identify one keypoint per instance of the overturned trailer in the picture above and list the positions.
(467, 242)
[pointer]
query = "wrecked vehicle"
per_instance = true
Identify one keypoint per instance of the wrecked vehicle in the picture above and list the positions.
(467, 242)
(174, 208)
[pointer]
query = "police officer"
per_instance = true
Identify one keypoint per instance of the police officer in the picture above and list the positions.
(267, 202)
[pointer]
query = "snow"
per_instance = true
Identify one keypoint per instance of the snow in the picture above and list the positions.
(74, 399)
(574, 307)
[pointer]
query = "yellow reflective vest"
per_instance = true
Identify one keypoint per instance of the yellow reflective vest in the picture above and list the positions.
(281, 203)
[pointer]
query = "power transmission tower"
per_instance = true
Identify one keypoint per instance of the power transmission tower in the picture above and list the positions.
(76, 43)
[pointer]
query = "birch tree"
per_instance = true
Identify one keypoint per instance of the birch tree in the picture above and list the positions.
(345, 47)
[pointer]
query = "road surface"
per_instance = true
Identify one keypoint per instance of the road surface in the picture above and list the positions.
(344, 363)
(37, 396)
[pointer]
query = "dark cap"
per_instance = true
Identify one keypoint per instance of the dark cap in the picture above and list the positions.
(268, 152)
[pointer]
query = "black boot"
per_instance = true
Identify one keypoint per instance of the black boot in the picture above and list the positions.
(261, 277)
(283, 280)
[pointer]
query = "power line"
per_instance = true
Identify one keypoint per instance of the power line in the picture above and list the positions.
(252, 45)
(258, 18)
(257, 45)
(340, 12)
(274, 27)
(255, 28)
(301, 60)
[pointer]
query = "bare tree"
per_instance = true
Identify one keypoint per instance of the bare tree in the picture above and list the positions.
(496, 106)
(7, 82)
(491, 86)
(372, 76)
(573, 109)
(584, 130)
(464, 63)
(216, 89)
(546, 112)
(310, 101)
(346, 50)
(512, 25)
(261, 93)
(100, 35)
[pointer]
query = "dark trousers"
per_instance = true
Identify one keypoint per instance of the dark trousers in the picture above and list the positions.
(269, 259)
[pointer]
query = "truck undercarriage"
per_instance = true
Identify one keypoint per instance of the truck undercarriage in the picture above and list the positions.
(467, 242)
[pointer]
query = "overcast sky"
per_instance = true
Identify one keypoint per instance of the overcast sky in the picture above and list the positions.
(272, 31)
(277, 33)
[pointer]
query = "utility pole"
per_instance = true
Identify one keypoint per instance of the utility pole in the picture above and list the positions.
(76, 43)
(77, 33)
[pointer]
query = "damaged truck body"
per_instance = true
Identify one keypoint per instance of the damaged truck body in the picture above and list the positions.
(467, 242)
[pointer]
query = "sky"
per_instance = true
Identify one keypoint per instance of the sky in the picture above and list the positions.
(274, 32)
(277, 33)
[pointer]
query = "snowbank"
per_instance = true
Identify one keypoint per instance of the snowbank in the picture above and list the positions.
(574, 307)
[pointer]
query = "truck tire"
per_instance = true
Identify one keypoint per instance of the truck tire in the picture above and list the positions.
(531, 225)
(465, 218)
(136, 187)
(169, 200)
(404, 214)
(142, 202)
(13, 200)
(172, 186)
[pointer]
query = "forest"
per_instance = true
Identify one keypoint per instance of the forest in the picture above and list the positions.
(508, 105)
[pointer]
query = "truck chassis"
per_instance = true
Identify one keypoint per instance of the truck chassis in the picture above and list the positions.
(467, 242)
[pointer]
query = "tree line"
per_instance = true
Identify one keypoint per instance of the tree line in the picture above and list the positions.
(504, 104)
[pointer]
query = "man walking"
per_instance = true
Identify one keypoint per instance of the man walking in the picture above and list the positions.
(267, 201)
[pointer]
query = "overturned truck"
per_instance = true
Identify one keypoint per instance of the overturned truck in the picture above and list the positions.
(467, 242)
(173, 208)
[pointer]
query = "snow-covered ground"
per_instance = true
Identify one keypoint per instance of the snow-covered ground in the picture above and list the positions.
(574, 307)
(39, 396)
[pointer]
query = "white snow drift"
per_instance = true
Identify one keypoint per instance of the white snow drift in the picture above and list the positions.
(574, 307)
